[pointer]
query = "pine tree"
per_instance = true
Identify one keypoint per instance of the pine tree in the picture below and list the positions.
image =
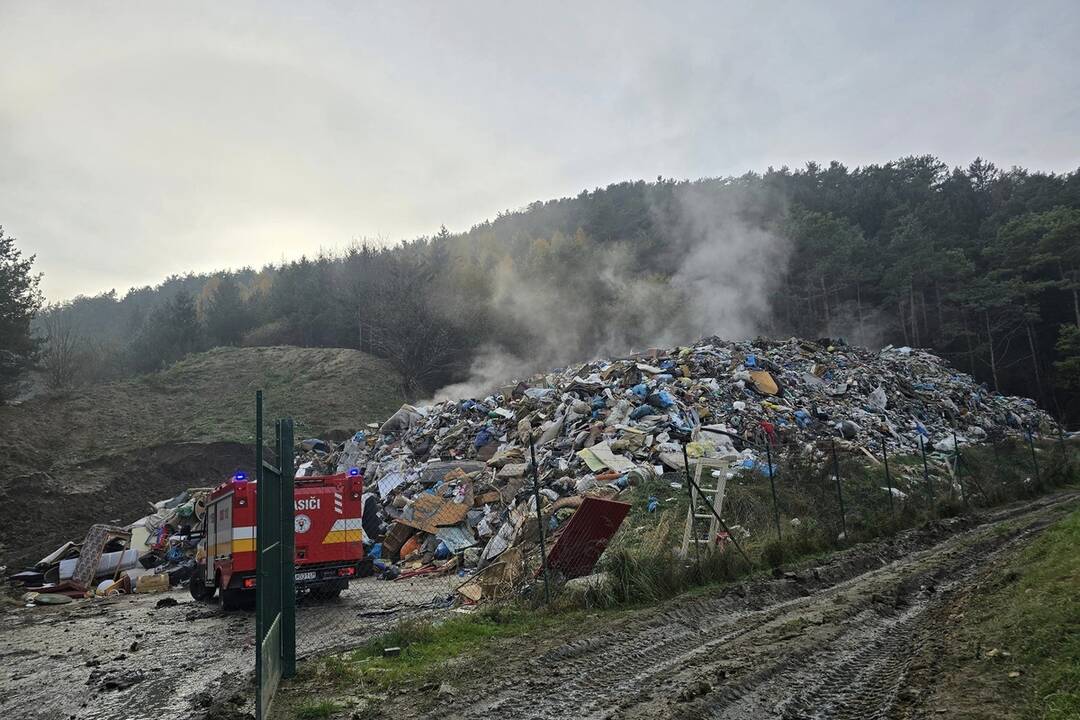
(20, 299)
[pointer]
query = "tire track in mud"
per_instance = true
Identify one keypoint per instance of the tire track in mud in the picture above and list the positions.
(861, 674)
(835, 642)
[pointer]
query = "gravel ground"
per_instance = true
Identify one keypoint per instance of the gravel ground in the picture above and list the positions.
(128, 658)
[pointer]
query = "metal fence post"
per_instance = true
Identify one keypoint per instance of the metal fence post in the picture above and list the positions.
(269, 595)
(540, 521)
(772, 485)
(888, 477)
(956, 464)
(1034, 460)
(925, 469)
(839, 489)
(1064, 451)
(258, 484)
(287, 469)
(693, 510)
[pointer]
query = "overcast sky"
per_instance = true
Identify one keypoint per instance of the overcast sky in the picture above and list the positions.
(143, 139)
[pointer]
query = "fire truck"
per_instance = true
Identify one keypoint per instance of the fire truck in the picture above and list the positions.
(328, 538)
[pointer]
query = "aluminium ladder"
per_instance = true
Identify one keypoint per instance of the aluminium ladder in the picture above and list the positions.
(711, 494)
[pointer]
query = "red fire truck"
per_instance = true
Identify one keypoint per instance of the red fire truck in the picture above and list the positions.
(328, 538)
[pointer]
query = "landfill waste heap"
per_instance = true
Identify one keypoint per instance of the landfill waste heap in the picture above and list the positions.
(454, 478)
(149, 555)
(450, 487)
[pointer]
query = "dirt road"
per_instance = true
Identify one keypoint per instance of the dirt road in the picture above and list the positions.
(846, 638)
(839, 640)
(126, 658)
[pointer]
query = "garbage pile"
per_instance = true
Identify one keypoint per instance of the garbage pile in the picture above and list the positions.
(152, 554)
(453, 488)
(452, 480)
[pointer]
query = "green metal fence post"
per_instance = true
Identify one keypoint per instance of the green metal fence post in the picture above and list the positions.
(540, 521)
(1064, 451)
(926, 470)
(268, 592)
(772, 484)
(1034, 460)
(288, 548)
(275, 581)
(839, 489)
(888, 477)
(956, 464)
(258, 540)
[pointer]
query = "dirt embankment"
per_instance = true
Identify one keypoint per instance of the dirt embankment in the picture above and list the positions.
(37, 515)
(101, 453)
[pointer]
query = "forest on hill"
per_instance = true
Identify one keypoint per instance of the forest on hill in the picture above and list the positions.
(979, 263)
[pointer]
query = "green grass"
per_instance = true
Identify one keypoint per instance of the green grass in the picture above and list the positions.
(1027, 621)
(429, 653)
(427, 647)
(317, 709)
(644, 567)
(1044, 621)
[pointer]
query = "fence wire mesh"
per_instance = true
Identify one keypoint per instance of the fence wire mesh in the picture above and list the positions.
(648, 538)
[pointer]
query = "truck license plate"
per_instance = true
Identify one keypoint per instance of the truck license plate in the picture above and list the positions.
(305, 575)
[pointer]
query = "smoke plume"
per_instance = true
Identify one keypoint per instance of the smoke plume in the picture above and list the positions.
(713, 273)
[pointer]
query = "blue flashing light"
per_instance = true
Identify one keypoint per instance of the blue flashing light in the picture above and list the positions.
(353, 472)
(240, 475)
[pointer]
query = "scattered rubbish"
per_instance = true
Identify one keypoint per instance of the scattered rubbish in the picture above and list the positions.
(152, 583)
(149, 555)
(454, 478)
(453, 488)
(585, 536)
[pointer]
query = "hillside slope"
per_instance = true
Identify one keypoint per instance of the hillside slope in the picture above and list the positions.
(101, 453)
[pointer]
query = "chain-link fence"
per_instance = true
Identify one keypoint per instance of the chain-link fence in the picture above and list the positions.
(644, 537)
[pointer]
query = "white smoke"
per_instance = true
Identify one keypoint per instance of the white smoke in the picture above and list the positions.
(727, 269)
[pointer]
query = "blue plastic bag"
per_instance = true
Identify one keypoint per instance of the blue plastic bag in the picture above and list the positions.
(483, 437)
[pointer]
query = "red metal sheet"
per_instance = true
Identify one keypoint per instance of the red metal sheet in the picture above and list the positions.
(586, 535)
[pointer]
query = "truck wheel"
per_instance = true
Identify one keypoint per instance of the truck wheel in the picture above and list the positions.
(232, 599)
(325, 593)
(197, 585)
